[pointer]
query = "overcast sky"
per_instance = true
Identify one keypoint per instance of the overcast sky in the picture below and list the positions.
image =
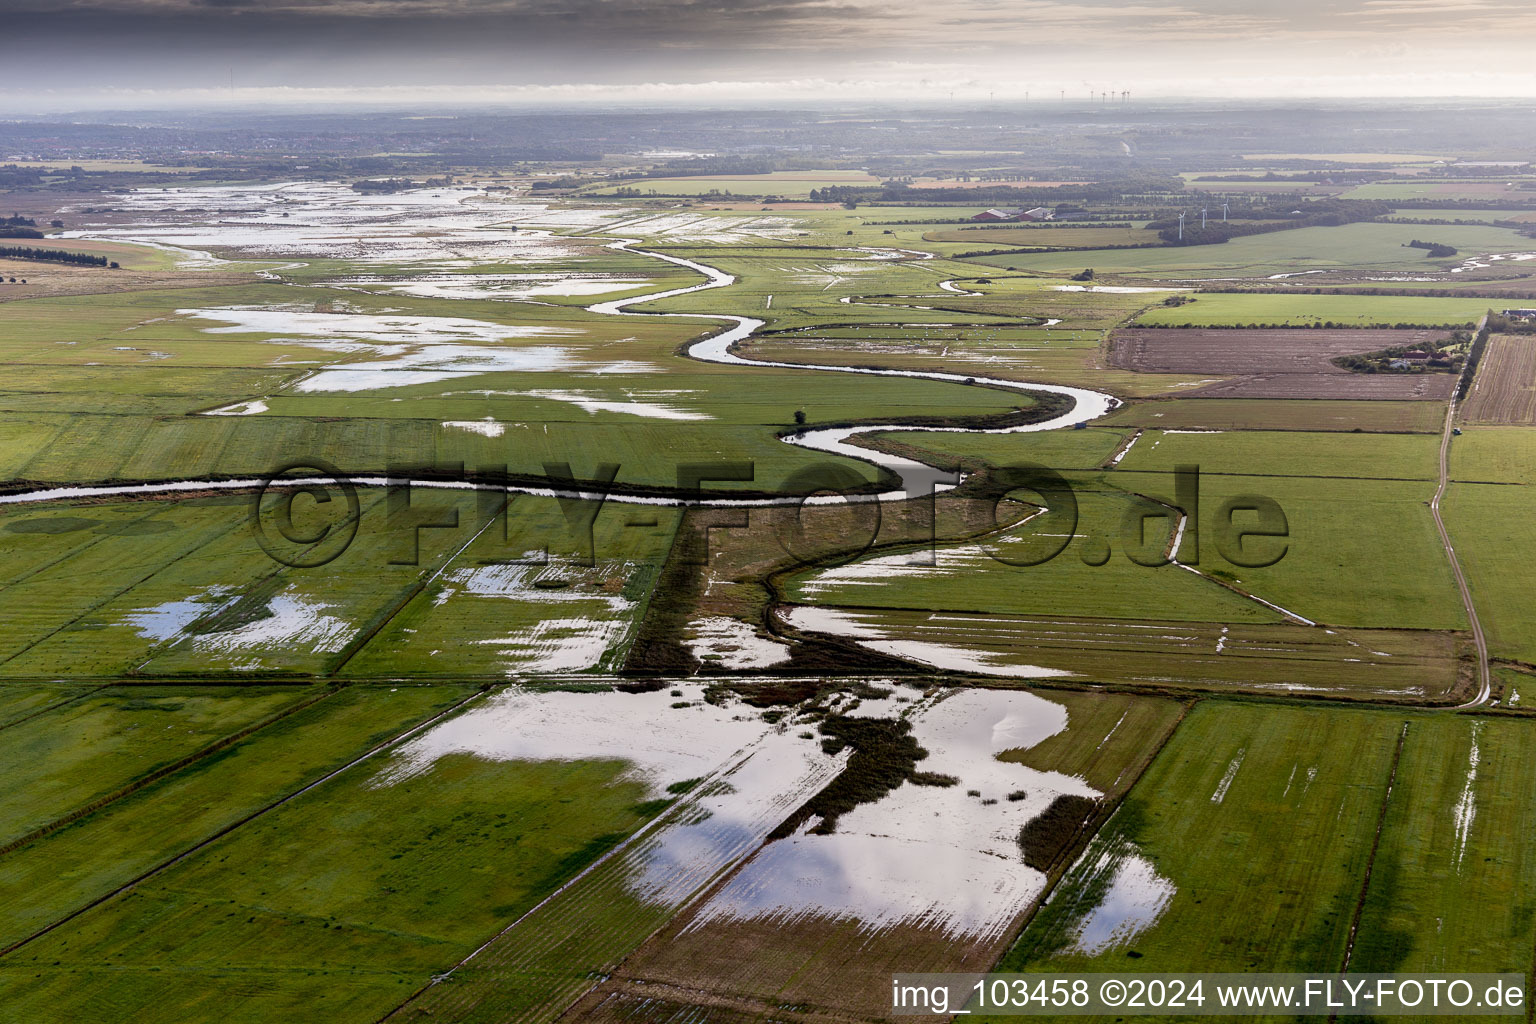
(138, 52)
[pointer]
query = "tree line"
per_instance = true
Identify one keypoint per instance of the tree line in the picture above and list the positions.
(84, 259)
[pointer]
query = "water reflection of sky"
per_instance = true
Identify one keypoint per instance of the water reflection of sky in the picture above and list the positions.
(1137, 895)
(922, 855)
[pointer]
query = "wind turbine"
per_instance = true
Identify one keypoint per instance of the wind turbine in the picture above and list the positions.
(1223, 213)
(1181, 225)
(1202, 218)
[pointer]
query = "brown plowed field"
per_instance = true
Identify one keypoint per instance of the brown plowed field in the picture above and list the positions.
(1217, 350)
(1279, 363)
(1379, 386)
(1504, 390)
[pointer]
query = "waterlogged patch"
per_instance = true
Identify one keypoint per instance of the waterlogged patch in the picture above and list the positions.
(868, 633)
(411, 349)
(730, 643)
(508, 286)
(386, 331)
(588, 618)
(1133, 896)
(437, 228)
(662, 745)
(558, 645)
(487, 427)
(635, 404)
(1465, 811)
(1226, 780)
(937, 856)
(267, 634)
(1484, 262)
(695, 227)
(254, 407)
(171, 619)
(560, 584)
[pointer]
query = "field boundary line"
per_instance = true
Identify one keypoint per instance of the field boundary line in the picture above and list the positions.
(413, 591)
(1370, 861)
(227, 829)
(165, 771)
(54, 706)
(217, 535)
(71, 553)
(645, 831)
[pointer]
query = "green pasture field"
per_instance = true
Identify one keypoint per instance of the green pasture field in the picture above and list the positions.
(1232, 309)
(125, 254)
(774, 183)
(458, 613)
(373, 432)
(143, 328)
(182, 586)
(1260, 822)
(339, 902)
(72, 756)
(579, 256)
(1281, 414)
(341, 427)
(569, 945)
(1054, 449)
(1106, 735)
(1286, 186)
(1503, 455)
(1158, 656)
(1289, 453)
(1349, 158)
(713, 396)
(61, 872)
(1458, 213)
(808, 284)
(1060, 356)
(1000, 333)
(1451, 190)
(1052, 237)
(1359, 553)
(1361, 246)
(1453, 827)
(1491, 527)
(969, 580)
(876, 216)
(19, 701)
(1509, 681)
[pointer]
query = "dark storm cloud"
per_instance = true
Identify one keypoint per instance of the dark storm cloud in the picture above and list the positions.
(203, 44)
(192, 43)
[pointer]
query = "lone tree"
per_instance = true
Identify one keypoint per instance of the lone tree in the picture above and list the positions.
(1086, 275)
(799, 417)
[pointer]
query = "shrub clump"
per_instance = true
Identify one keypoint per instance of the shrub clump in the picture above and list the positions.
(1045, 838)
(884, 756)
